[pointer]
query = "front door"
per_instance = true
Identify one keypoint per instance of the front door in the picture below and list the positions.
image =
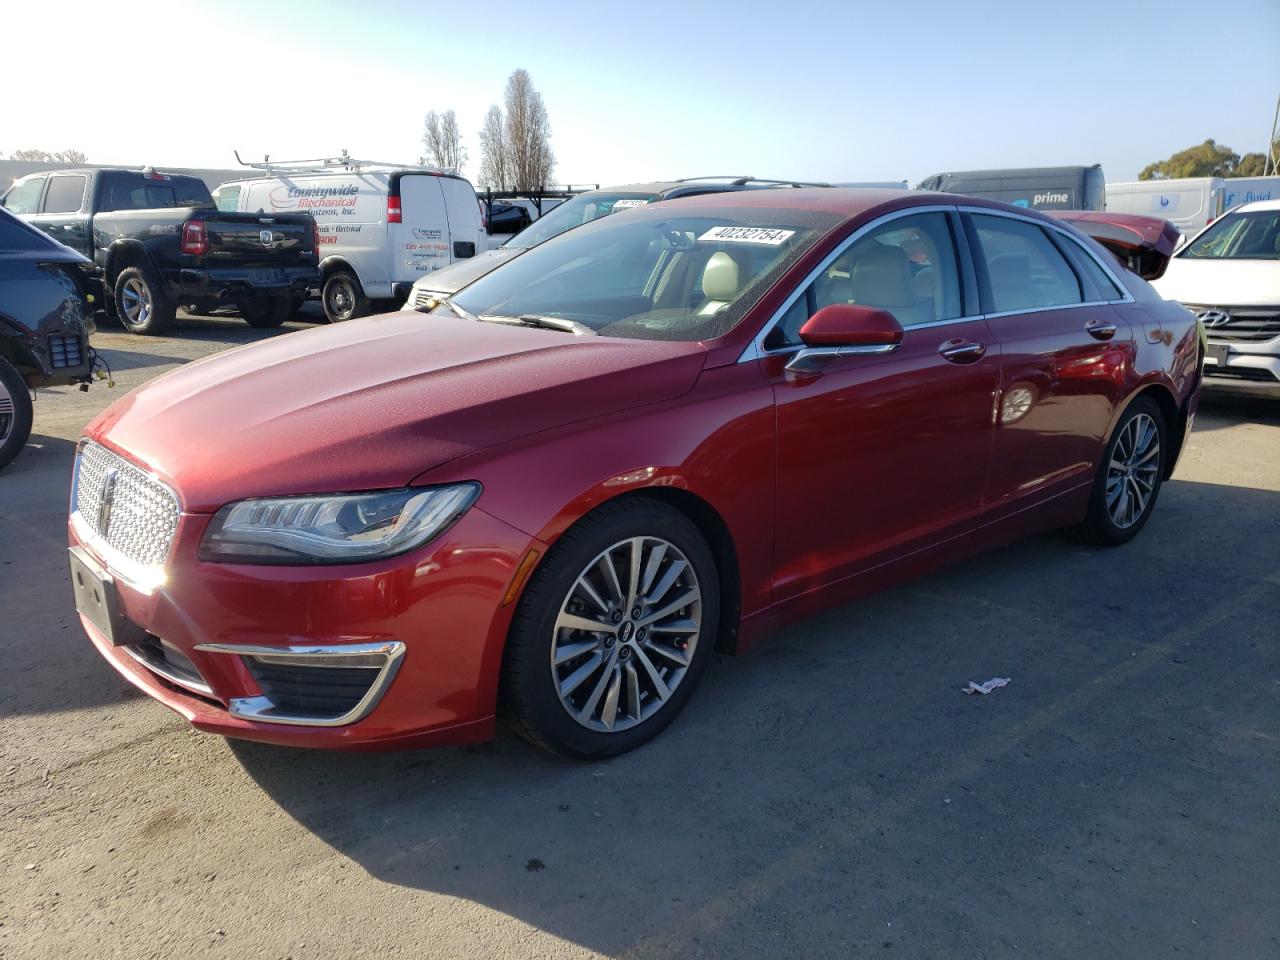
(882, 456)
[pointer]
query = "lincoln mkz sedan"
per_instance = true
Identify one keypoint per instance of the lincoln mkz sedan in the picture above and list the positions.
(658, 435)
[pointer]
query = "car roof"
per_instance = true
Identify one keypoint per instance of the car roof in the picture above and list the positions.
(845, 202)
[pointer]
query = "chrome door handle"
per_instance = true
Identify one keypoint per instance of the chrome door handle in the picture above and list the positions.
(1100, 329)
(962, 351)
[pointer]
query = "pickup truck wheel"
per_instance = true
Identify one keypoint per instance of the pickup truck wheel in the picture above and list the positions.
(15, 412)
(342, 297)
(268, 313)
(141, 303)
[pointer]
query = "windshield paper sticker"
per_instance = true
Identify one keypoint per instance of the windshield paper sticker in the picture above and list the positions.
(624, 204)
(765, 235)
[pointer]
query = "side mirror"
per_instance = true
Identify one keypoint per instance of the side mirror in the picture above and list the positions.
(842, 329)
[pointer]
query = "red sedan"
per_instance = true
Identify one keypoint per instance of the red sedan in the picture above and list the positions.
(661, 433)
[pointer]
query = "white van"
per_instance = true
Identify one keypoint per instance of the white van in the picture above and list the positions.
(382, 226)
(1240, 190)
(1188, 203)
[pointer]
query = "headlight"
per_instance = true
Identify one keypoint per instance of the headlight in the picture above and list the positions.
(337, 528)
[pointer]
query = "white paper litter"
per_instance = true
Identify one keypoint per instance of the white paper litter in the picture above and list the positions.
(984, 688)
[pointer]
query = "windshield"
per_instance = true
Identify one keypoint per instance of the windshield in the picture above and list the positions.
(651, 277)
(581, 209)
(1239, 236)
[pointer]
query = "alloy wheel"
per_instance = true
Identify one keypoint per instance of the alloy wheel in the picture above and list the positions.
(1134, 471)
(135, 302)
(626, 634)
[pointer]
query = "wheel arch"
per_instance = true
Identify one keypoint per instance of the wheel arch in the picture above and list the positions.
(120, 256)
(1175, 420)
(710, 523)
(332, 264)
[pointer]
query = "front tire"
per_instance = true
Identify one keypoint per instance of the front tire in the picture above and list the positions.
(15, 412)
(342, 297)
(1129, 477)
(141, 302)
(613, 632)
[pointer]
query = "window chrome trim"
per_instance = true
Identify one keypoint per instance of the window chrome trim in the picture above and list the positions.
(166, 672)
(755, 350)
(261, 709)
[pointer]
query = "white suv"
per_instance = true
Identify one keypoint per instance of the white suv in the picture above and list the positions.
(382, 226)
(1229, 276)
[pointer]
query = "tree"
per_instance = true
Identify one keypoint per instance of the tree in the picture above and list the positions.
(494, 170)
(528, 133)
(443, 141)
(1208, 159)
(515, 145)
(44, 156)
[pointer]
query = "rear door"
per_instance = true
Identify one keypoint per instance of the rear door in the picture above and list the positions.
(1064, 349)
(64, 213)
(882, 456)
(420, 244)
(465, 228)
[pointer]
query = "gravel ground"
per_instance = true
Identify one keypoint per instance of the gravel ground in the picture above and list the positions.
(832, 795)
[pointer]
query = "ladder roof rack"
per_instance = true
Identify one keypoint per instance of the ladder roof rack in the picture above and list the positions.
(343, 162)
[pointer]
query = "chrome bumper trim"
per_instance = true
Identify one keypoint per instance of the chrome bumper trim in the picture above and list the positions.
(261, 709)
(163, 670)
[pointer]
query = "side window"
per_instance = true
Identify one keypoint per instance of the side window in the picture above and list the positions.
(227, 197)
(1097, 285)
(906, 266)
(25, 196)
(66, 194)
(1025, 269)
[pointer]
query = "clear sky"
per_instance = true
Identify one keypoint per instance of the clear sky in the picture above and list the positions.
(833, 91)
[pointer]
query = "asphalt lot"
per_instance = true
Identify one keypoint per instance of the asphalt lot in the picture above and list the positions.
(833, 795)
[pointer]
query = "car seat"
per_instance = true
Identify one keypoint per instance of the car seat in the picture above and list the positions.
(881, 277)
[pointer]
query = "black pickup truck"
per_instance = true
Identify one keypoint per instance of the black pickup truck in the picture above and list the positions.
(158, 243)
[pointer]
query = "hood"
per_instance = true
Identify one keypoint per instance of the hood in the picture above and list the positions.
(1238, 283)
(449, 280)
(372, 403)
(1143, 244)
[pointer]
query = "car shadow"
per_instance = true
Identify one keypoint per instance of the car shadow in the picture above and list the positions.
(835, 794)
(1227, 405)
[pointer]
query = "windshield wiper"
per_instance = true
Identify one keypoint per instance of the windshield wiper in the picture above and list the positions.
(548, 323)
(456, 308)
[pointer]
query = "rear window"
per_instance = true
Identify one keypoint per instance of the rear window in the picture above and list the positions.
(139, 192)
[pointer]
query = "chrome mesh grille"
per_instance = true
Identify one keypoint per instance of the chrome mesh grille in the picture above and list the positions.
(143, 513)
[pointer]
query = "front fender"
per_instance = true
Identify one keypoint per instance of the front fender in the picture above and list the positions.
(715, 443)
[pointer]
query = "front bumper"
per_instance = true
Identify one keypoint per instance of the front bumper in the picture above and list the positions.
(234, 648)
(1250, 361)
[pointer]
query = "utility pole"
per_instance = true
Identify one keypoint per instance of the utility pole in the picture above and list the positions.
(1272, 166)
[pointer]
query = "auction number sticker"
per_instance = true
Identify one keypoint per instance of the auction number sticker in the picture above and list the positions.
(766, 235)
(625, 204)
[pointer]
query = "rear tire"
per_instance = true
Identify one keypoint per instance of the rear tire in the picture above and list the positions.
(1129, 477)
(15, 412)
(141, 303)
(342, 297)
(267, 313)
(586, 693)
